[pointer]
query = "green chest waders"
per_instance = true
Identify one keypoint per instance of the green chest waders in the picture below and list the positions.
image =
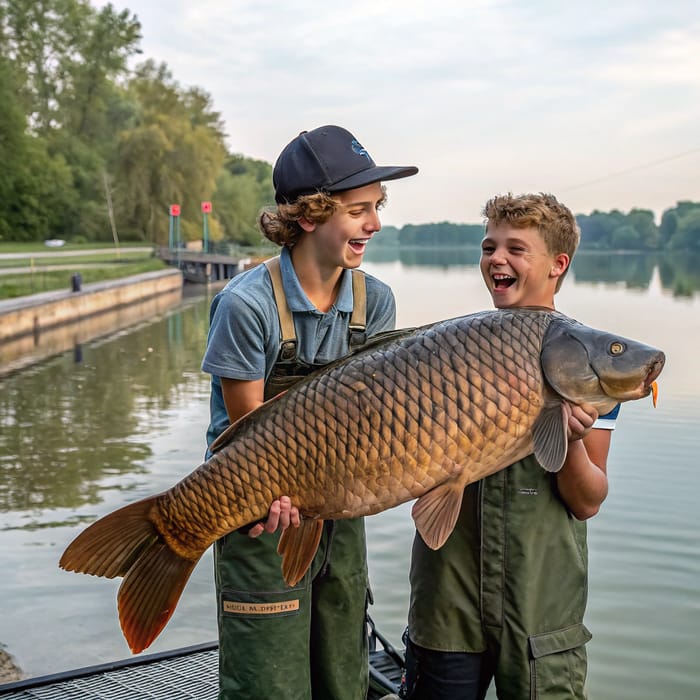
(511, 580)
(310, 641)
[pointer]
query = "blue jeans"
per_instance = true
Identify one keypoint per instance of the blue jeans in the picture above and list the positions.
(444, 675)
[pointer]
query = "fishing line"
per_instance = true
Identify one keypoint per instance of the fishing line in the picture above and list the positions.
(631, 169)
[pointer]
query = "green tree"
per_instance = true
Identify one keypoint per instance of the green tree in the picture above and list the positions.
(69, 53)
(625, 238)
(642, 221)
(388, 236)
(598, 227)
(687, 236)
(441, 233)
(171, 153)
(243, 189)
(668, 227)
(34, 186)
(70, 56)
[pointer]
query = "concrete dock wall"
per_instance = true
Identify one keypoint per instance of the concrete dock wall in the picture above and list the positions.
(39, 326)
(40, 312)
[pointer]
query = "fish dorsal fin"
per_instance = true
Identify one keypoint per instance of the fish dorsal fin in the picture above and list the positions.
(298, 547)
(435, 513)
(227, 435)
(549, 435)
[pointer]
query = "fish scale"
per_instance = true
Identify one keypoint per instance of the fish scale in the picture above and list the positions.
(417, 416)
(300, 461)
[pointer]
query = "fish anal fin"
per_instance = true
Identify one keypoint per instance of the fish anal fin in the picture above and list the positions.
(549, 435)
(298, 547)
(435, 513)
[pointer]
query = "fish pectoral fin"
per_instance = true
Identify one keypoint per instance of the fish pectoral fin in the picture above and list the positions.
(435, 513)
(550, 437)
(298, 547)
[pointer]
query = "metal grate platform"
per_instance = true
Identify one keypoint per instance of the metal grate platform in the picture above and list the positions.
(185, 674)
(188, 674)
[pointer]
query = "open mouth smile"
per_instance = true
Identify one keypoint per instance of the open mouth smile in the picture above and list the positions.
(359, 244)
(501, 281)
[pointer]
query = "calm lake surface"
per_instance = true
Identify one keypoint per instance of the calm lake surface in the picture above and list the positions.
(124, 417)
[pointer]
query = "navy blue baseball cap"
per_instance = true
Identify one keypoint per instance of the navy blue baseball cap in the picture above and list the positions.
(328, 159)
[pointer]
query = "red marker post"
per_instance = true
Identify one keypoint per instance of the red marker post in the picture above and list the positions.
(206, 210)
(174, 226)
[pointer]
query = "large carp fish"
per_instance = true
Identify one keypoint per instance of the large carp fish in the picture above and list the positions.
(418, 415)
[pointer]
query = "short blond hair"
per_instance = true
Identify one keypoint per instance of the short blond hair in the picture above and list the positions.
(554, 221)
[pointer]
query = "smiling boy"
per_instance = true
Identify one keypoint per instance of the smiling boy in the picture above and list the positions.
(504, 598)
(271, 326)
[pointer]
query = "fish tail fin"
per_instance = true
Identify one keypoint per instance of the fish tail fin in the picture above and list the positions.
(149, 593)
(126, 543)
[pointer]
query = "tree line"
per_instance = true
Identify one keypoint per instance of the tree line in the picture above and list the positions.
(93, 149)
(679, 229)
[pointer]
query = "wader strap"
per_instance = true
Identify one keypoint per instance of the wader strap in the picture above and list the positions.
(357, 328)
(288, 346)
(358, 320)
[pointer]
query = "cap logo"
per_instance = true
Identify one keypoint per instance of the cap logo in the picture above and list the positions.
(358, 148)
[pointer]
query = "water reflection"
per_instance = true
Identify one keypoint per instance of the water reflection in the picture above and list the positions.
(443, 256)
(30, 349)
(634, 270)
(66, 427)
(679, 272)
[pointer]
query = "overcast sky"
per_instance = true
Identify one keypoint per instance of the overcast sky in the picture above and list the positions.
(596, 101)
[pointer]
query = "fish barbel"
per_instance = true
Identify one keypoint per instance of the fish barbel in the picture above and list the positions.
(417, 416)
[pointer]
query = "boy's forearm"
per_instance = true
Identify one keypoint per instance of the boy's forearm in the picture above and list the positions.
(582, 484)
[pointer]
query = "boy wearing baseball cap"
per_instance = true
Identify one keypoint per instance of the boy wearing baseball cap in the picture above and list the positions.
(270, 326)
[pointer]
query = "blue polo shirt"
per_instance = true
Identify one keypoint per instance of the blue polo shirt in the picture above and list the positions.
(244, 334)
(608, 421)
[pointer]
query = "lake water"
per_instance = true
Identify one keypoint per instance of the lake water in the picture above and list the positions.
(124, 417)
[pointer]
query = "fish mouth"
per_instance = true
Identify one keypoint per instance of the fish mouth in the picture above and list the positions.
(650, 379)
(637, 392)
(654, 371)
(645, 387)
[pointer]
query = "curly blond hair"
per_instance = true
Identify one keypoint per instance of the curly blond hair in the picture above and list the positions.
(554, 221)
(281, 223)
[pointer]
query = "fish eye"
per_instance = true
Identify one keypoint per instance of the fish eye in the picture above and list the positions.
(617, 348)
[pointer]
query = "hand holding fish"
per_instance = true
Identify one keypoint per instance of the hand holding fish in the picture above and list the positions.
(281, 516)
(580, 420)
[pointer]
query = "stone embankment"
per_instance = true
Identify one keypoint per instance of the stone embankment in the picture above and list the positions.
(40, 325)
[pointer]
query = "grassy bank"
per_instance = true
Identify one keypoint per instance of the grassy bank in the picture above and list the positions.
(39, 269)
(39, 247)
(77, 259)
(20, 285)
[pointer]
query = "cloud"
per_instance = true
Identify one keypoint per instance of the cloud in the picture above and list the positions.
(483, 95)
